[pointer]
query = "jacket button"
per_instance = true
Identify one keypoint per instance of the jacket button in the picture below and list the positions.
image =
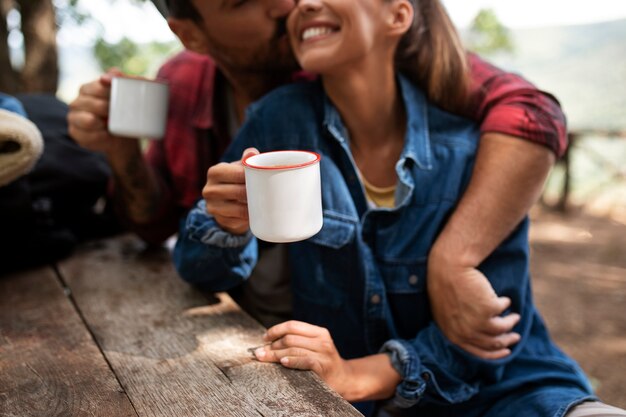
(413, 279)
(375, 299)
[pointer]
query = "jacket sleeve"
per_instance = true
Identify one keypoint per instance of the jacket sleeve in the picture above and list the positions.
(507, 103)
(434, 370)
(205, 254)
(208, 256)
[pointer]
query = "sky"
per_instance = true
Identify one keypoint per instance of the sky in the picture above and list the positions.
(120, 18)
(535, 13)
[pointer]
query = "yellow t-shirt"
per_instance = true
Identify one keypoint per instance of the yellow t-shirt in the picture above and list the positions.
(380, 196)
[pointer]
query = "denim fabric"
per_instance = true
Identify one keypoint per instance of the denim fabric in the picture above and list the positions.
(12, 104)
(363, 276)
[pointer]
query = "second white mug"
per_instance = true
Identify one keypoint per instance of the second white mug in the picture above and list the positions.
(138, 108)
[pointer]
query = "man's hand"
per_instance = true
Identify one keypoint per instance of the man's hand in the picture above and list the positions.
(467, 310)
(136, 185)
(225, 195)
(508, 178)
(87, 117)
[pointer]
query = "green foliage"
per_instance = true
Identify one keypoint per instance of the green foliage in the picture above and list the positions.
(129, 57)
(132, 59)
(487, 36)
(69, 11)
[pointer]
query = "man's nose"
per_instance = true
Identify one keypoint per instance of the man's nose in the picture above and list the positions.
(280, 8)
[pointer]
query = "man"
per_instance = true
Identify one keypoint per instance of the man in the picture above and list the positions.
(240, 52)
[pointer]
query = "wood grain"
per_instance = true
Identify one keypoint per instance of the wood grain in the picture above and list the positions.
(178, 352)
(49, 364)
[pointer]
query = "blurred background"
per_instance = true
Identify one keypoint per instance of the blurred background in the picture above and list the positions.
(576, 50)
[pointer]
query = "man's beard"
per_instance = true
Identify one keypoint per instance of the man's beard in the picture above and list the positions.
(273, 57)
(276, 57)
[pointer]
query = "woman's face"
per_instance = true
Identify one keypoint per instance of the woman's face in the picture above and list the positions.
(327, 35)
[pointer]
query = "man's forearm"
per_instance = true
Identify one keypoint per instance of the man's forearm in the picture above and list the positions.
(508, 178)
(136, 188)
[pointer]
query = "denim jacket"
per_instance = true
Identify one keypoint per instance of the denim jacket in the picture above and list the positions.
(363, 276)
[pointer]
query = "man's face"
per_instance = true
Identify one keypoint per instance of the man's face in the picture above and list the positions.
(247, 35)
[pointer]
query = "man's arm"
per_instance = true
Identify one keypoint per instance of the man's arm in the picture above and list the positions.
(137, 192)
(523, 130)
(507, 179)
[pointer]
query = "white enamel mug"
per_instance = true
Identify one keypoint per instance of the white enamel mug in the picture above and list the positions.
(284, 195)
(138, 108)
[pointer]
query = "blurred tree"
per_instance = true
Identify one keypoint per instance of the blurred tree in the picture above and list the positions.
(132, 58)
(34, 23)
(8, 77)
(487, 36)
(40, 71)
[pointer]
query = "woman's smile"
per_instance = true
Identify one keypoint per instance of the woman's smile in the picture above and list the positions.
(318, 31)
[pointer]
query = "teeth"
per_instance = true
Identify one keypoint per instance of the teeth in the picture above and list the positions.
(315, 31)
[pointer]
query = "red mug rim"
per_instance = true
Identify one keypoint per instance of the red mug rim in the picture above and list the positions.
(281, 167)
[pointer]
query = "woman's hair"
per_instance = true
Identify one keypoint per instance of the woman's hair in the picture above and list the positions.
(431, 55)
(183, 9)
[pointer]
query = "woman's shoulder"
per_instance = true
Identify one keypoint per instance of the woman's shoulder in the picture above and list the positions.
(442, 125)
(295, 99)
(450, 129)
(288, 117)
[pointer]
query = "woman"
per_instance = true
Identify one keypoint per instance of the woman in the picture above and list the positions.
(393, 166)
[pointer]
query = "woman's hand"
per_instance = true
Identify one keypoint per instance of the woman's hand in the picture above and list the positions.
(225, 195)
(299, 345)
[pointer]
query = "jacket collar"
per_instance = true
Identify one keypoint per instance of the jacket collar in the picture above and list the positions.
(417, 139)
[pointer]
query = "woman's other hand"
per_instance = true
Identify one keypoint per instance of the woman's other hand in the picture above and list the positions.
(299, 345)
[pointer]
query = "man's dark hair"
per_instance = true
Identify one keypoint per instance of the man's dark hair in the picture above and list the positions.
(183, 9)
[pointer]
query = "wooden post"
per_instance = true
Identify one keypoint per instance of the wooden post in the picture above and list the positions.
(562, 205)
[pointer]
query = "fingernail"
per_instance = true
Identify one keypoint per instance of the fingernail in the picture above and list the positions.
(260, 353)
(284, 361)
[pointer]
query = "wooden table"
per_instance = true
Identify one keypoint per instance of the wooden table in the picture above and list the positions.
(112, 331)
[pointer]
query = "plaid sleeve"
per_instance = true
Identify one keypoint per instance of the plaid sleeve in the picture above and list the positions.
(506, 103)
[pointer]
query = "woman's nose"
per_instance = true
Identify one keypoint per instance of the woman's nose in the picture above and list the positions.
(309, 5)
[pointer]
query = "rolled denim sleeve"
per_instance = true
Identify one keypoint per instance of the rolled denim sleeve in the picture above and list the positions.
(433, 369)
(208, 256)
(429, 363)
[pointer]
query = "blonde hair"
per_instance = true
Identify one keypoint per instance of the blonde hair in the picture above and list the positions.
(431, 55)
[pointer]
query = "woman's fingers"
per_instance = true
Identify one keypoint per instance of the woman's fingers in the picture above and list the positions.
(226, 173)
(296, 328)
(225, 192)
(295, 358)
(297, 341)
(267, 354)
(304, 363)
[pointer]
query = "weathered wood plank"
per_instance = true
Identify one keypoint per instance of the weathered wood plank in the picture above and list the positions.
(178, 352)
(49, 364)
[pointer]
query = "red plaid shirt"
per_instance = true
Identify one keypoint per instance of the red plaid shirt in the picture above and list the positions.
(196, 135)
